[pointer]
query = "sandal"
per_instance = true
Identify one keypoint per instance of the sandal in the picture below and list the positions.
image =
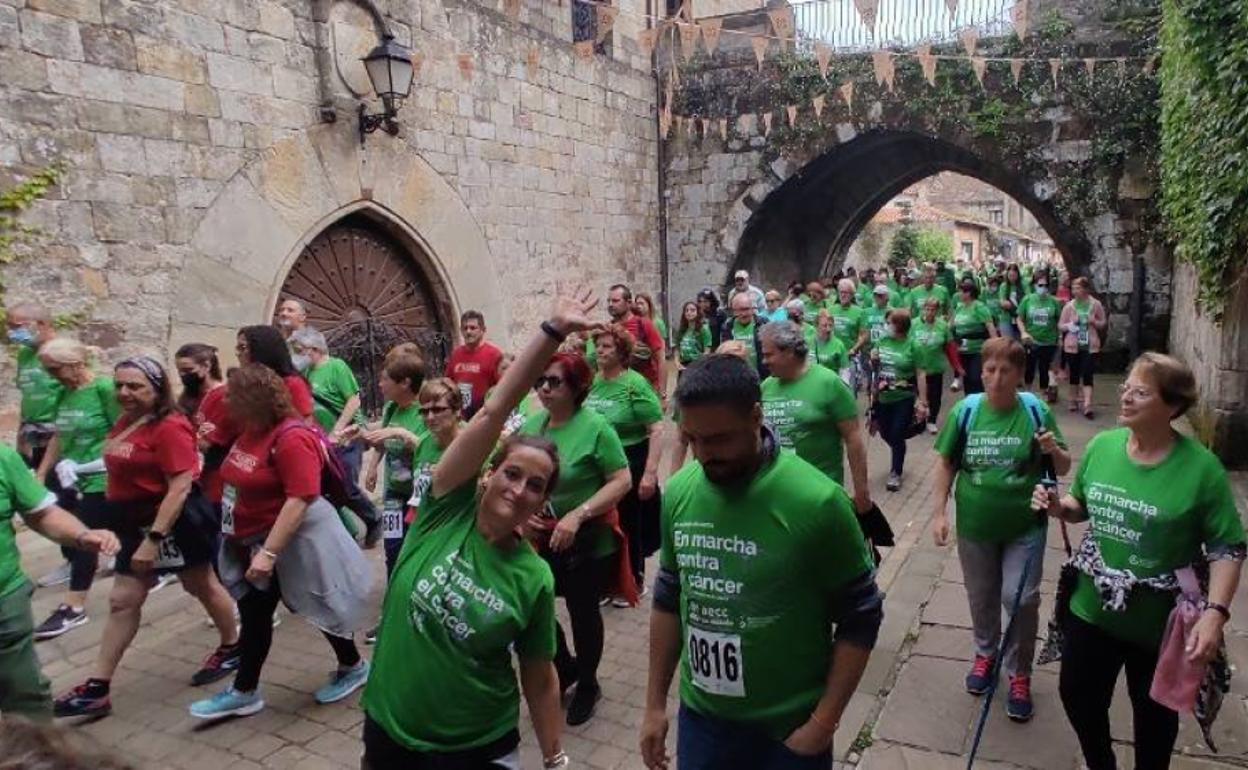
(1089, 413)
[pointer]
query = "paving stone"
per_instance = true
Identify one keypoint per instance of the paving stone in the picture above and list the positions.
(928, 707)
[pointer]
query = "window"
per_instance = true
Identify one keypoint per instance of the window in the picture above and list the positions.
(996, 216)
(968, 250)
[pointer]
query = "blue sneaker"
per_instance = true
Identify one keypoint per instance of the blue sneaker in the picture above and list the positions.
(343, 682)
(228, 703)
(980, 677)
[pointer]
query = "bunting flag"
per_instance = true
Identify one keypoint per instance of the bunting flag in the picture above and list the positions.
(885, 67)
(465, 63)
(1121, 61)
(512, 9)
(823, 55)
(1016, 69)
(745, 124)
(766, 124)
(867, 11)
(817, 103)
(710, 34)
(584, 49)
(952, 5)
(969, 38)
(1090, 66)
(646, 40)
(723, 129)
(760, 49)
(532, 61)
(1021, 19)
(927, 62)
(979, 65)
(791, 111)
(847, 93)
(1055, 69)
(688, 39)
(782, 21)
(606, 20)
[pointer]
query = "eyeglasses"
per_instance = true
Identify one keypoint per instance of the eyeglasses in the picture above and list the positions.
(1135, 391)
(552, 380)
(429, 411)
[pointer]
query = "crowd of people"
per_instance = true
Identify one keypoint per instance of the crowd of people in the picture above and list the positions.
(514, 480)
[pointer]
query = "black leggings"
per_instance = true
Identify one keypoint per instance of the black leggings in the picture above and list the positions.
(256, 610)
(1039, 360)
(935, 395)
(973, 372)
(580, 587)
(894, 421)
(1091, 660)
(639, 518)
(94, 511)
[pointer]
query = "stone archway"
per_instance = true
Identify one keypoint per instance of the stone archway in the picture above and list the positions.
(254, 231)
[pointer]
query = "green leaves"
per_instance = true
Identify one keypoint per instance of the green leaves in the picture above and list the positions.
(16, 200)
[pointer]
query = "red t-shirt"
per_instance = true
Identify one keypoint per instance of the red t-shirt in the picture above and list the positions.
(300, 394)
(139, 464)
(214, 426)
(263, 476)
(644, 331)
(476, 371)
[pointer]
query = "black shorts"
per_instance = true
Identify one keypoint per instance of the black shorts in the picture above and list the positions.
(193, 541)
(1081, 366)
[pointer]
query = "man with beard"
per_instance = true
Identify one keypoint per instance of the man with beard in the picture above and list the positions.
(647, 344)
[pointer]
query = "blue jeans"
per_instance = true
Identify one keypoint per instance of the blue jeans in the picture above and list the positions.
(707, 743)
(352, 456)
(895, 420)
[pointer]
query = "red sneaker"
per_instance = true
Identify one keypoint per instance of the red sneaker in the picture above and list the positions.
(1019, 706)
(980, 678)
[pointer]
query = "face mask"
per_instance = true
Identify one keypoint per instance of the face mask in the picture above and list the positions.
(22, 336)
(301, 361)
(1042, 290)
(192, 381)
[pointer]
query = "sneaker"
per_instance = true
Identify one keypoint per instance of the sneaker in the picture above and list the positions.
(932, 429)
(89, 699)
(980, 678)
(1019, 707)
(894, 482)
(956, 385)
(620, 603)
(62, 619)
(1050, 394)
(581, 707)
(56, 577)
(604, 601)
(343, 682)
(1074, 406)
(372, 533)
(1091, 415)
(228, 703)
(567, 675)
(219, 664)
(370, 636)
(162, 580)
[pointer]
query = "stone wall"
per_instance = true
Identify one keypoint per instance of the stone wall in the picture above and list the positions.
(199, 163)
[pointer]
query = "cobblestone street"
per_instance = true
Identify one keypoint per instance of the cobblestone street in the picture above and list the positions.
(910, 709)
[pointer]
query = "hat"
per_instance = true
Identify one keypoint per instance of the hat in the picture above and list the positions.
(742, 274)
(880, 289)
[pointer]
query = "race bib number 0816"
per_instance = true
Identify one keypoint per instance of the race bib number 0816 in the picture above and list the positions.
(716, 664)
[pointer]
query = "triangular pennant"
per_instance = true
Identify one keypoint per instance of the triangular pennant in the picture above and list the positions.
(606, 20)
(782, 21)
(723, 129)
(927, 63)
(745, 124)
(1016, 69)
(766, 124)
(867, 11)
(760, 49)
(817, 103)
(1021, 19)
(584, 49)
(823, 55)
(952, 5)
(646, 40)
(969, 38)
(710, 34)
(1055, 69)
(791, 111)
(532, 61)
(1090, 65)
(466, 64)
(847, 93)
(885, 68)
(688, 39)
(979, 65)
(1121, 61)
(512, 9)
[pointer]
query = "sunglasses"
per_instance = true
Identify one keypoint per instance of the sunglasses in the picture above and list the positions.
(553, 380)
(429, 411)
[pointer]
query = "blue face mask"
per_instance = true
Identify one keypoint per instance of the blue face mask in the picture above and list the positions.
(1042, 290)
(22, 336)
(301, 361)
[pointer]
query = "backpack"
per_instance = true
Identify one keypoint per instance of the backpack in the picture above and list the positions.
(334, 484)
(971, 404)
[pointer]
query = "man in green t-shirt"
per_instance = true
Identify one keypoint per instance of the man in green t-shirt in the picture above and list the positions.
(743, 325)
(875, 316)
(23, 689)
(926, 289)
(761, 557)
(849, 328)
(1038, 315)
(336, 404)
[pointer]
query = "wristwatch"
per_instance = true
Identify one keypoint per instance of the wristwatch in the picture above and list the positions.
(156, 537)
(1221, 609)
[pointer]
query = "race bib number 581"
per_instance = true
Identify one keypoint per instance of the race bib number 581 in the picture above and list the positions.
(716, 664)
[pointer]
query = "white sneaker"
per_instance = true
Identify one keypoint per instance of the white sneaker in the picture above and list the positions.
(956, 385)
(162, 581)
(56, 577)
(931, 428)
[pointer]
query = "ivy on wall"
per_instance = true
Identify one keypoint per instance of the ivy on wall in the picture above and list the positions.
(14, 233)
(1204, 141)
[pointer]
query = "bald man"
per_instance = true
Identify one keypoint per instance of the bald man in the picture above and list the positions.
(291, 316)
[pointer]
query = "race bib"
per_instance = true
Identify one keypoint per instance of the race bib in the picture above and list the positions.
(877, 333)
(716, 664)
(392, 520)
(228, 496)
(465, 392)
(1083, 334)
(168, 555)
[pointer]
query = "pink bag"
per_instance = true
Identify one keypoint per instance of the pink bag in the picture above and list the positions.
(1177, 680)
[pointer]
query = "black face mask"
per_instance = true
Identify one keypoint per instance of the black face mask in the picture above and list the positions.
(192, 381)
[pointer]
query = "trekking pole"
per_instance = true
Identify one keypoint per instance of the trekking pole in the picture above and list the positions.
(1049, 479)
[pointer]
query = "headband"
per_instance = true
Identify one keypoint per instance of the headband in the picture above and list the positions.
(151, 370)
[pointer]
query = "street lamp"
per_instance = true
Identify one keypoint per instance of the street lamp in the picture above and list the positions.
(390, 70)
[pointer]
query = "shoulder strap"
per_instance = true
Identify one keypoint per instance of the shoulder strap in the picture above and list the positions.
(1032, 405)
(970, 405)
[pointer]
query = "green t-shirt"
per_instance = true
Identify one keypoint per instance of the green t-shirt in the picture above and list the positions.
(629, 404)
(442, 677)
(746, 335)
(426, 455)
(862, 294)
(805, 413)
(846, 323)
(40, 390)
(333, 384)
(1000, 466)
(589, 451)
(1040, 315)
(948, 280)
(1013, 292)
(661, 327)
(813, 306)
(20, 493)
(929, 345)
(761, 569)
(397, 480)
(1150, 520)
(971, 318)
(83, 418)
(831, 353)
(876, 320)
(897, 369)
(899, 297)
(919, 295)
(694, 343)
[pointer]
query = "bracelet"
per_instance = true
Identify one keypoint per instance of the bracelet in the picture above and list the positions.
(1221, 609)
(268, 553)
(550, 331)
(558, 760)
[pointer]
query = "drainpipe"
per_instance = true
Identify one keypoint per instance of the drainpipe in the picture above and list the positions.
(661, 158)
(1135, 340)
